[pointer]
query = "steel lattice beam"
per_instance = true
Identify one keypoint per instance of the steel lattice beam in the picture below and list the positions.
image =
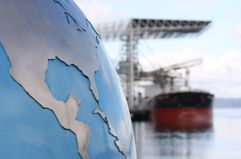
(150, 28)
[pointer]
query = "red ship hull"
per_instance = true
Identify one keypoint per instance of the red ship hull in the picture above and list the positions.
(182, 111)
(182, 119)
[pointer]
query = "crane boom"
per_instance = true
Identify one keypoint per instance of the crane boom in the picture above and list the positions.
(185, 65)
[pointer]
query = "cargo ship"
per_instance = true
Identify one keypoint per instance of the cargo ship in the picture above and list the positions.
(176, 109)
(182, 111)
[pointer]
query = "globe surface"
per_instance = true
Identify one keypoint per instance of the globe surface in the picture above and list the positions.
(60, 97)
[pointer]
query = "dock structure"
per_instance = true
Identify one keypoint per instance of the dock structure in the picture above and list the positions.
(132, 30)
(140, 115)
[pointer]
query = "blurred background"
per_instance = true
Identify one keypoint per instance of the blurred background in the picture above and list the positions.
(179, 62)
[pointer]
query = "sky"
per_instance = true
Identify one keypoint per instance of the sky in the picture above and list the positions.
(219, 46)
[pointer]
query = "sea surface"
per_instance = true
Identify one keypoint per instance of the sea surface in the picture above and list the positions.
(223, 141)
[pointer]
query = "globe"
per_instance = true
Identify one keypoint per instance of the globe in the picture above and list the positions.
(60, 96)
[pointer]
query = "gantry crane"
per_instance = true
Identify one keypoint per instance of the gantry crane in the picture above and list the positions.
(132, 30)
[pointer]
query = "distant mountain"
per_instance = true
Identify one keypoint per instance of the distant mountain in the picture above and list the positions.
(227, 102)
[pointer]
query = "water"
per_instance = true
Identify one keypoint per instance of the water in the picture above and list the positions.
(222, 142)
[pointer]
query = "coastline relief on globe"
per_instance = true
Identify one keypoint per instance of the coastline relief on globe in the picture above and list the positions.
(60, 97)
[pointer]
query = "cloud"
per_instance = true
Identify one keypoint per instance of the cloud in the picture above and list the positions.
(96, 11)
(219, 73)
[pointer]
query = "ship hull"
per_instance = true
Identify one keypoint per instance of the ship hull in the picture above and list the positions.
(182, 111)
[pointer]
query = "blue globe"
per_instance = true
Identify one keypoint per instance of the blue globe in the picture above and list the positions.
(60, 96)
